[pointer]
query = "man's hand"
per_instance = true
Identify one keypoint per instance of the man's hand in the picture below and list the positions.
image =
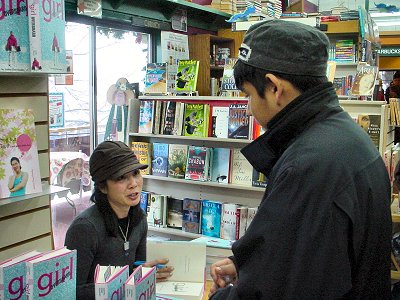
(223, 272)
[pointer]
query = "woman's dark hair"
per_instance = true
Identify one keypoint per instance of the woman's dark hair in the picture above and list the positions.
(396, 75)
(101, 200)
(245, 73)
(14, 158)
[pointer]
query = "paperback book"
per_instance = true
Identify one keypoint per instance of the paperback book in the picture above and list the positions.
(157, 210)
(52, 275)
(219, 123)
(233, 221)
(186, 77)
(220, 165)
(141, 284)
(211, 218)
(228, 80)
(143, 152)
(144, 200)
(197, 165)
(13, 276)
(238, 122)
(146, 114)
(174, 213)
(159, 164)
(47, 36)
(169, 118)
(364, 81)
(191, 220)
(19, 163)
(177, 158)
(196, 119)
(241, 169)
(156, 79)
(109, 282)
(14, 36)
(371, 125)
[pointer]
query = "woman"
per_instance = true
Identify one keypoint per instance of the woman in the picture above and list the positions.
(113, 231)
(17, 181)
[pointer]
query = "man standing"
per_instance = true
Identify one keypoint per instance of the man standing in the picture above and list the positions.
(323, 228)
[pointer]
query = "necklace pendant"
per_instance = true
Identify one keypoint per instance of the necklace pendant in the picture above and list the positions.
(126, 246)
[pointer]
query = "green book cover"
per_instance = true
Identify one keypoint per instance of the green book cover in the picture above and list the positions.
(186, 77)
(195, 121)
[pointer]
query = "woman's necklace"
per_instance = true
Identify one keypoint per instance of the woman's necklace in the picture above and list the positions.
(126, 242)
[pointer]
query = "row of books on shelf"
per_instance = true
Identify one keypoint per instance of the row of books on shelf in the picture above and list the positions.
(197, 119)
(228, 221)
(391, 159)
(343, 51)
(360, 84)
(198, 163)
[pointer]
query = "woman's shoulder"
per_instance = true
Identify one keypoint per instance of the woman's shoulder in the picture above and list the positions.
(89, 217)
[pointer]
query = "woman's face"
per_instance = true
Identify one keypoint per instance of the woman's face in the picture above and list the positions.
(124, 192)
(15, 166)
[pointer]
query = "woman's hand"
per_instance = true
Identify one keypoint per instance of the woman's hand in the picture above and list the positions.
(163, 272)
(223, 272)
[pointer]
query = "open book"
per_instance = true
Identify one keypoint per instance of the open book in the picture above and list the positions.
(109, 282)
(188, 260)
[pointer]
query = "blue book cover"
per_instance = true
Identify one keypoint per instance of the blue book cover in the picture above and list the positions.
(191, 219)
(13, 276)
(214, 242)
(112, 285)
(220, 165)
(146, 114)
(14, 36)
(141, 284)
(52, 275)
(211, 218)
(156, 79)
(144, 198)
(47, 36)
(159, 164)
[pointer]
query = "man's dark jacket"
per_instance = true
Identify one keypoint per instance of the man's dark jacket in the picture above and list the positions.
(323, 228)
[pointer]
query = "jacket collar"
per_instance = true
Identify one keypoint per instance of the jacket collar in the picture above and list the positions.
(308, 108)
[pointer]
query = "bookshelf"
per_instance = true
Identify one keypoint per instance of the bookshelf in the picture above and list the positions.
(201, 47)
(26, 220)
(246, 195)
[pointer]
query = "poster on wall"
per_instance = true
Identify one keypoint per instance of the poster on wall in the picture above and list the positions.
(66, 79)
(179, 20)
(56, 110)
(19, 162)
(174, 47)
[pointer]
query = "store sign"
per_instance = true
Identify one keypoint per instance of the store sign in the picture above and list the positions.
(389, 51)
(150, 23)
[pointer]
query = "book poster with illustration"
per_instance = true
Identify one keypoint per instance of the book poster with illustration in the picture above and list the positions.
(174, 47)
(364, 81)
(14, 36)
(19, 162)
(56, 110)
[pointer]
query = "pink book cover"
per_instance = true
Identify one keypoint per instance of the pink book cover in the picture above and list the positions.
(19, 160)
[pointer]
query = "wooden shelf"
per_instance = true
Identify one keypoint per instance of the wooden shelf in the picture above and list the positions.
(190, 138)
(207, 183)
(343, 27)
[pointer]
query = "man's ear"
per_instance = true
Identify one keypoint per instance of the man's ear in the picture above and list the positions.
(275, 85)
